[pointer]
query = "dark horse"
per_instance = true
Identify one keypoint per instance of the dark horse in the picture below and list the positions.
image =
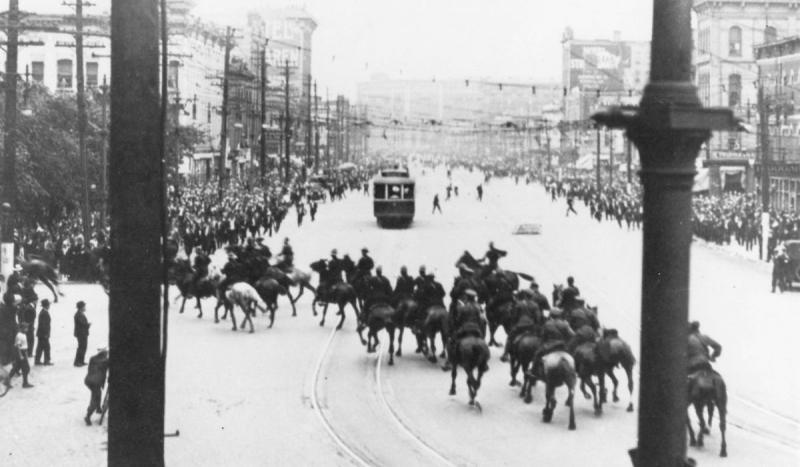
(184, 279)
(521, 353)
(612, 351)
(338, 293)
(707, 389)
(436, 321)
(471, 353)
(37, 269)
(380, 316)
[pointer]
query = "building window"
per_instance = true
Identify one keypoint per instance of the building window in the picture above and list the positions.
(704, 87)
(704, 41)
(735, 41)
(37, 71)
(172, 75)
(91, 74)
(65, 74)
(734, 90)
(770, 34)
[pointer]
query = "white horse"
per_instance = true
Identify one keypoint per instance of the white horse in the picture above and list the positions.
(247, 298)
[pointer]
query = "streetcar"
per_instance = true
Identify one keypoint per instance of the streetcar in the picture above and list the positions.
(393, 194)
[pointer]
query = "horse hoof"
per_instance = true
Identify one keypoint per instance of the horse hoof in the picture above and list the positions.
(471, 402)
(452, 392)
(398, 354)
(630, 407)
(391, 362)
(706, 431)
(616, 399)
(572, 427)
(512, 383)
(338, 327)
(723, 453)
(504, 358)
(432, 359)
(322, 323)
(692, 443)
(252, 331)
(528, 399)
(447, 368)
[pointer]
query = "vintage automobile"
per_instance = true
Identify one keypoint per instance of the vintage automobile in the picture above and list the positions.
(793, 268)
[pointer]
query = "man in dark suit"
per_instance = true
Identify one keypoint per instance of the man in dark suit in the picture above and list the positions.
(43, 335)
(81, 333)
(95, 380)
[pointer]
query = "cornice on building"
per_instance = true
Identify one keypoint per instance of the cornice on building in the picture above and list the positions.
(700, 6)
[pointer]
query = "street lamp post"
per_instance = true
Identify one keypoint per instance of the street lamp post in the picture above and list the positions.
(668, 128)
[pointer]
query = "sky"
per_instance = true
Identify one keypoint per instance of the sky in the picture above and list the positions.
(494, 40)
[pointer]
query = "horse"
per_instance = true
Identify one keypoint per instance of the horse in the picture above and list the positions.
(499, 313)
(269, 290)
(612, 351)
(408, 316)
(481, 270)
(471, 353)
(521, 353)
(339, 293)
(45, 273)
(380, 316)
(292, 277)
(707, 389)
(583, 316)
(437, 321)
(247, 298)
(587, 366)
(205, 287)
(558, 368)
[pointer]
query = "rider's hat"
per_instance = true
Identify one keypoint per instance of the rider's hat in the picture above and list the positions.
(556, 312)
(45, 302)
(470, 293)
(334, 252)
(364, 250)
(17, 268)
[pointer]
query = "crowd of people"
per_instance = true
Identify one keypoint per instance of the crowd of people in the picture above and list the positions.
(721, 219)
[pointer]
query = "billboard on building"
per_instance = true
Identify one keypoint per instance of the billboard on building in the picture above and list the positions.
(599, 65)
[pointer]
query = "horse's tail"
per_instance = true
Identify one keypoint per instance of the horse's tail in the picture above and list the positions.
(721, 393)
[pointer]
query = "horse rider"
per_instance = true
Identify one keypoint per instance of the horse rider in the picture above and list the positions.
(569, 295)
(432, 293)
(262, 250)
(404, 288)
(524, 315)
(468, 320)
(335, 267)
(201, 262)
(556, 332)
(698, 355)
(14, 282)
(492, 256)
(364, 265)
(287, 256)
(235, 271)
(379, 290)
(419, 281)
(538, 297)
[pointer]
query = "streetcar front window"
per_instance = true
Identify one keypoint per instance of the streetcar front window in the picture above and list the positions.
(380, 191)
(394, 191)
(408, 191)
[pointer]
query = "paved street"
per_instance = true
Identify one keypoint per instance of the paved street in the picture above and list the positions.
(299, 395)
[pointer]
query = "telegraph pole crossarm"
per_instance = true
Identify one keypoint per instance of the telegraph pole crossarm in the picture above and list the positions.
(668, 128)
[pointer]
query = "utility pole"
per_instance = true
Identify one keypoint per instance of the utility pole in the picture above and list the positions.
(287, 130)
(628, 151)
(262, 161)
(223, 134)
(9, 210)
(136, 405)
(82, 117)
(103, 153)
(610, 134)
(327, 130)
(316, 128)
(765, 166)
(309, 131)
(669, 127)
(597, 170)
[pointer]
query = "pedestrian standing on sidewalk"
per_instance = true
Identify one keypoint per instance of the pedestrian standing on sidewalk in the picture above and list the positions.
(43, 335)
(95, 380)
(436, 204)
(28, 316)
(81, 333)
(21, 356)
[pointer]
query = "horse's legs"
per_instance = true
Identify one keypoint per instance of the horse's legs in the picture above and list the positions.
(547, 412)
(294, 310)
(199, 307)
(570, 403)
(527, 383)
(698, 408)
(598, 407)
(472, 385)
(249, 312)
(453, 372)
(610, 372)
(341, 312)
(324, 312)
(432, 356)
(492, 328)
(182, 304)
(233, 315)
(692, 439)
(390, 331)
(399, 352)
(292, 300)
(629, 373)
(47, 283)
(272, 308)
(603, 391)
(723, 451)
